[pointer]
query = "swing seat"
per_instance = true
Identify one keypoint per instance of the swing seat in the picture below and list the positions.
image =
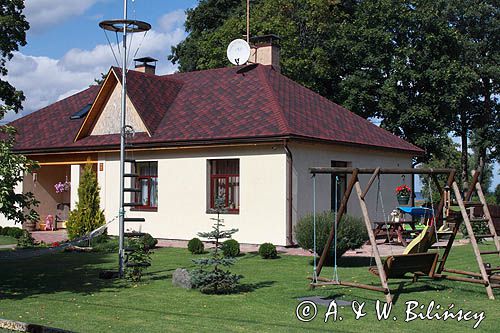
(418, 263)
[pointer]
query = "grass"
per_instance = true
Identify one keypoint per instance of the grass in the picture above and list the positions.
(6, 240)
(63, 290)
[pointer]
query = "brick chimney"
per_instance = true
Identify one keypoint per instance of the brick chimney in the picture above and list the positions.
(265, 50)
(146, 65)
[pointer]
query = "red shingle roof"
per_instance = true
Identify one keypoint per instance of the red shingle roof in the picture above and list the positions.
(207, 106)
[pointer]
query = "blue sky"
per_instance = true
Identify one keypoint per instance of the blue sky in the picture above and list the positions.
(67, 50)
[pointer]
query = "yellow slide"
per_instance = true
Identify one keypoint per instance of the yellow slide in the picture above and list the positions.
(422, 242)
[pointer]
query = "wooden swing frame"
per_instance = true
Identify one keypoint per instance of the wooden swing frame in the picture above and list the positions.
(354, 183)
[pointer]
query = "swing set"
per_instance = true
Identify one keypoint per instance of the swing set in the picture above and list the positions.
(415, 260)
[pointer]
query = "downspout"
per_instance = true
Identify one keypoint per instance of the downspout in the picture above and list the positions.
(413, 186)
(289, 236)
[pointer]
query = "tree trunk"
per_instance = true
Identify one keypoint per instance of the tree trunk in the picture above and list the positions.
(483, 131)
(465, 155)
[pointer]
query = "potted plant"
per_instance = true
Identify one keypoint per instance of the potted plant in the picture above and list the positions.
(62, 187)
(403, 193)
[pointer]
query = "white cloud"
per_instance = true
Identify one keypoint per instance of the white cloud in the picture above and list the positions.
(43, 14)
(172, 20)
(45, 80)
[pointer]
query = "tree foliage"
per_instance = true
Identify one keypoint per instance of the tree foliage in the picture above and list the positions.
(17, 207)
(422, 67)
(13, 26)
(88, 214)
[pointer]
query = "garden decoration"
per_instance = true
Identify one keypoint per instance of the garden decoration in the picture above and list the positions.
(49, 223)
(403, 194)
(417, 264)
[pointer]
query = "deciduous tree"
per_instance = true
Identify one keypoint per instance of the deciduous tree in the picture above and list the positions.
(17, 207)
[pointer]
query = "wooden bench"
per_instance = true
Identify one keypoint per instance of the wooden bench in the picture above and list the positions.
(417, 264)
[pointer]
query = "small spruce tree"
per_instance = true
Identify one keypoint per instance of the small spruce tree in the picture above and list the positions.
(216, 280)
(88, 214)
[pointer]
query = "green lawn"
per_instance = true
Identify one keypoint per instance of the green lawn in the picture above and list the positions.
(6, 240)
(62, 290)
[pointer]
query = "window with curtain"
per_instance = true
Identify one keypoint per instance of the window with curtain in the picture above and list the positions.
(147, 183)
(225, 183)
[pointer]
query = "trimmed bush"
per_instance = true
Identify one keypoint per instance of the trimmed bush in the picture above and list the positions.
(1, 230)
(351, 235)
(195, 246)
(12, 232)
(148, 241)
(231, 248)
(268, 251)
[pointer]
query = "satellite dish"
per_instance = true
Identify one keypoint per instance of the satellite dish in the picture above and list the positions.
(238, 52)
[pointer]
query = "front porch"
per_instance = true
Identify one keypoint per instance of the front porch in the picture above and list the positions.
(55, 185)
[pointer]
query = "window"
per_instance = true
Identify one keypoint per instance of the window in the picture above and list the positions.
(340, 186)
(225, 183)
(147, 183)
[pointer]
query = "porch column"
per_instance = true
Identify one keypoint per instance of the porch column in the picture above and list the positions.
(75, 183)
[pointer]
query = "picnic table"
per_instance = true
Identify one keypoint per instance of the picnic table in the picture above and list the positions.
(395, 229)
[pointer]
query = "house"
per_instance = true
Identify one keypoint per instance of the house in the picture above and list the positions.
(246, 133)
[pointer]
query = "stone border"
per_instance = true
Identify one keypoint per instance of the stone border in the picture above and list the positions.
(20, 326)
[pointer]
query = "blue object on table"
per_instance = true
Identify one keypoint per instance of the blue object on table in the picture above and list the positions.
(416, 211)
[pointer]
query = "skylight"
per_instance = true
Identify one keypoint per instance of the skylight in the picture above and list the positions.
(82, 113)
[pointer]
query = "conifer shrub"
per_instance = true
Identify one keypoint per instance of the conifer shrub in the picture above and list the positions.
(195, 246)
(268, 251)
(88, 214)
(26, 240)
(213, 275)
(230, 248)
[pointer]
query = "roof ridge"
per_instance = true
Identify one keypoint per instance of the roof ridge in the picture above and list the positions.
(204, 70)
(274, 98)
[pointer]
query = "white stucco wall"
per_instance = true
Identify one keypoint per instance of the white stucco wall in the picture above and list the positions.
(306, 155)
(182, 193)
(4, 222)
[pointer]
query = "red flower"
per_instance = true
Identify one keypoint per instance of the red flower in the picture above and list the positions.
(403, 190)
(55, 244)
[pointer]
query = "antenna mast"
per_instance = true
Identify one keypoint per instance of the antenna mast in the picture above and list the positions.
(125, 27)
(248, 21)
(121, 232)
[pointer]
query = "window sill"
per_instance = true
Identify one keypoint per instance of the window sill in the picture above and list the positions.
(229, 212)
(143, 209)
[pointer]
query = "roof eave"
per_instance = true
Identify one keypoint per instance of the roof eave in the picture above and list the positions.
(211, 142)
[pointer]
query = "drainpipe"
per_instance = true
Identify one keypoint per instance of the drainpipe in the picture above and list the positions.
(289, 156)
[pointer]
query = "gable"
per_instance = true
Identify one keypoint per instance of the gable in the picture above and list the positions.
(108, 122)
(104, 115)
